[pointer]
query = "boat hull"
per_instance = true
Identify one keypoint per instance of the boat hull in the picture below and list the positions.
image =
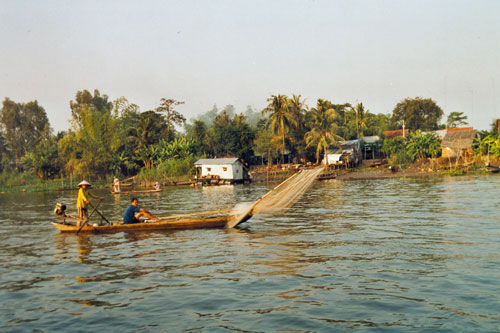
(133, 192)
(186, 223)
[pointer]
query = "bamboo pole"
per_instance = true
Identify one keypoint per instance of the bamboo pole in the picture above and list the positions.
(237, 220)
(195, 214)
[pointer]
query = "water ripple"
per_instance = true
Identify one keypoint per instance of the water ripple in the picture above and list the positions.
(392, 254)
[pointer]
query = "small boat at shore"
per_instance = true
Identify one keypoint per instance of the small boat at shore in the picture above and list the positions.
(138, 191)
(492, 168)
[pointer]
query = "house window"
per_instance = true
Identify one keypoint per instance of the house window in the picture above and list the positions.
(209, 169)
(224, 168)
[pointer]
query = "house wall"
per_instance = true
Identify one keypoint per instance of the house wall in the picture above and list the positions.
(224, 171)
(333, 159)
(448, 152)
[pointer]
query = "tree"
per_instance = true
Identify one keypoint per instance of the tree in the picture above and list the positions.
(36, 124)
(230, 137)
(455, 119)
(245, 135)
(126, 161)
(209, 116)
(11, 119)
(221, 136)
(417, 113)
(420, 146)
(395, 148)
(253, 117)
(4, 153)
(323, 132)
(199, 136)
(150, 128)
(95, 138)
(361, 117)
(43, 161)
(280, 117)
(267, 144)
(84, 99)
(172, 117)
(298, 108)
(24, 126)
(377, 124)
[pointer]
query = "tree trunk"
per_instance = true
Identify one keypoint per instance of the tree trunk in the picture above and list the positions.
(283, 151)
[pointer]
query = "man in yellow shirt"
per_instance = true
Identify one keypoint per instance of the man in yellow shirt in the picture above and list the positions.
(82, 201)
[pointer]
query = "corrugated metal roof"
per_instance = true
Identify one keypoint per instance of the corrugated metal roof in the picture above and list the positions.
(216, 161)
(371, 139)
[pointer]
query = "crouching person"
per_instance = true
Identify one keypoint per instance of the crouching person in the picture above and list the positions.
(134, 212)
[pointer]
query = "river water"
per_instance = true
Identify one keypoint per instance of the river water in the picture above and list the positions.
(378, 255)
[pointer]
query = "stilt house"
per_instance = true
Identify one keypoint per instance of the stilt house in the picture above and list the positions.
(222, 170)
(457, 142)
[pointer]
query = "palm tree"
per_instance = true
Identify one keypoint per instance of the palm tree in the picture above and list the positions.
(322, 134)
(298, 109)
(359, 111)
(281, 118)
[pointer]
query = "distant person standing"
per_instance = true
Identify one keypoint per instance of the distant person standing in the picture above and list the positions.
(134, 212)
(116, 185)
(82, 201)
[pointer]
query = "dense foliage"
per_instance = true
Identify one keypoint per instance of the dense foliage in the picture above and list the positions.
(488, 145)
(417, 114)
(114, 138)
(416, 146)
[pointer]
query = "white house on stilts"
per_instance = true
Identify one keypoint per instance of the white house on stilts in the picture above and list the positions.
(228, 170)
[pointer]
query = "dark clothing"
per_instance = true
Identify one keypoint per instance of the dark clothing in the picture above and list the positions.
(129, 214)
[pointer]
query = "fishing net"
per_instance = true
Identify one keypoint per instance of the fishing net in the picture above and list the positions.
(282, 196)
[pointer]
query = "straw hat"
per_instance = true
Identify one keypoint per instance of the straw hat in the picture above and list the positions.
(84, 182)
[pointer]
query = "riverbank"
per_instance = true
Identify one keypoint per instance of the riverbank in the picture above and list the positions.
(367, 174)
(27, 183)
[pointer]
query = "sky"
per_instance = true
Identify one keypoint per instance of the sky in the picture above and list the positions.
(222, 52)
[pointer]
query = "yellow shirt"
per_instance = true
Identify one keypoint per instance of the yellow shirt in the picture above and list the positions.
(82, 199)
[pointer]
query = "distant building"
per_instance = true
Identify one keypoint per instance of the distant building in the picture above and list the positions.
(457, 142)
(348, 154)
(227, 170)
(395, 133)
(371, 147)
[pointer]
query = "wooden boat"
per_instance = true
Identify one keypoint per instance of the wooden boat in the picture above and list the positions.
(138, 191)
(211, 219)
(492, 168)
(327, 175)
(122, 185)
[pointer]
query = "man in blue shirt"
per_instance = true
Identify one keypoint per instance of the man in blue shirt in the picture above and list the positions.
(133, 212)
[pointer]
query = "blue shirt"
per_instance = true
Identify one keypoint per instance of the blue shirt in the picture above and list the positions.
(129, 214)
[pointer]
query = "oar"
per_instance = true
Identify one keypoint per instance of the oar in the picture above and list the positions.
(87, 221)
(98, 212)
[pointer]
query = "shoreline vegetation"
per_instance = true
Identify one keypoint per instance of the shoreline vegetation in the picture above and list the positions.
(428, 168)
(109, 139)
